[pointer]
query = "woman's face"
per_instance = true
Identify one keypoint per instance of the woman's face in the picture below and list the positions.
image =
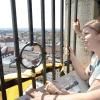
(91, 38)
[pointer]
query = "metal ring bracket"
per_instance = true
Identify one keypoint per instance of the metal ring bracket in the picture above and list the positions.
(31, 55)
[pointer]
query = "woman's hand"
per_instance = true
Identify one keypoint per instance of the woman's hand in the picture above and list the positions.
(51, 88)
(37, 95)
(70, 52)
(76, 27)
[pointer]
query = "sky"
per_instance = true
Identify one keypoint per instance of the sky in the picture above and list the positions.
(22, 16)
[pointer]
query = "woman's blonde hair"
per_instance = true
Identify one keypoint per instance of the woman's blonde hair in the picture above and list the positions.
(94, 24)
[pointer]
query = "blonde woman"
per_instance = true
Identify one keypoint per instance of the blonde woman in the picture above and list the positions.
(91, 36)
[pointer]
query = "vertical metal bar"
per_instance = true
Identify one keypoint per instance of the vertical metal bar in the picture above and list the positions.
(53, 38)
(3, 90)
(61, 30)
(68, 28)
(30, 20)
(75, 19)
(43, 38)
(16, 44)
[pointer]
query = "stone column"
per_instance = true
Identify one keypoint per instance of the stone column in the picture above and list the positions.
(85, 13)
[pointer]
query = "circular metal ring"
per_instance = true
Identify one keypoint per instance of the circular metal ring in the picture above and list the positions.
(31, 55)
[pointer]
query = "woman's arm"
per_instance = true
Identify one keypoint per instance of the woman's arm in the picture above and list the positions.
(93, 95)
(79, 68)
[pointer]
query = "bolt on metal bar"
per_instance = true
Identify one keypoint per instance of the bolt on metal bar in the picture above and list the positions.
(53, 38)
(68, 31)
(43, 39)
(3, 90)
(30, 20)
(61, 30)
(75, 19)
(16, 44)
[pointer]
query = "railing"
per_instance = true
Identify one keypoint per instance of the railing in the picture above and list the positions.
(32, 44)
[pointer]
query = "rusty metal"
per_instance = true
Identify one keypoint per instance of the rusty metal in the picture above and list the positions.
(16, 44)
(30, 20)
(43, 39)
(75, 19)
(61, 30)
(3, 89)
(69, 31)
(53, 38)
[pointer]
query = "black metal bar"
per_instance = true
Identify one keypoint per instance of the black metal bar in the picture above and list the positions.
(68, 30)
(75, 19)
(43, 38)
(3, 90)
(16, 44)
(53, 38)
(61, 30)
(13, 82)
(33, 79)
(30, 20)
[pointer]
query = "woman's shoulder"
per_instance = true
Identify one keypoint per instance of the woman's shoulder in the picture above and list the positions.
(93, 56)
(95, 60)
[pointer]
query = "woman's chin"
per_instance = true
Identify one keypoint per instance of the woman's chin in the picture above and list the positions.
(86, 48)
